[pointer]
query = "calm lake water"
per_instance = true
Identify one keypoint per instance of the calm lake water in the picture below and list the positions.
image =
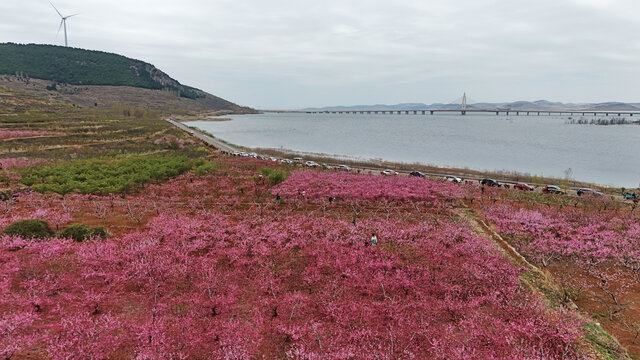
(537, 145)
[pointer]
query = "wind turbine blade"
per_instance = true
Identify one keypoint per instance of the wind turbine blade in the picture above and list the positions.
(55, 9)
(66, 17)
(60, 27)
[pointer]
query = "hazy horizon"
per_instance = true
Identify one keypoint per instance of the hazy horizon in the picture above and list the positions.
(290, 54)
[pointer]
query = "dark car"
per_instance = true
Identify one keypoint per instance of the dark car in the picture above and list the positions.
(587, 191)
(552, 189)
(523, 186)
(632, 196)
(490, 182)
(417, 173)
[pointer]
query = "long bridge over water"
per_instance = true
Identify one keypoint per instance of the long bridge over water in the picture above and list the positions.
(464, 110)
(487, 111)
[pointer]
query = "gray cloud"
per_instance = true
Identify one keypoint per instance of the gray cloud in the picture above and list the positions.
(289, 54)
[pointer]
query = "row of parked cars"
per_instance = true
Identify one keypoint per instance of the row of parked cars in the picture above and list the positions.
(548, 189)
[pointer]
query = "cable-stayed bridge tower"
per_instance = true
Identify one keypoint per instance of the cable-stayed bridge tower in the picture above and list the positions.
(463, 106)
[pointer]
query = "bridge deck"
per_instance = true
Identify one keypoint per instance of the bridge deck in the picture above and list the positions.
(486, 111)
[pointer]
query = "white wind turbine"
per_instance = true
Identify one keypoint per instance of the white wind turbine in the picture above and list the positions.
(63, 22)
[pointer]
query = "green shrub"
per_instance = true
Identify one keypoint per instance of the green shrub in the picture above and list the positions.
(275, 176)
(99, 231)
(104, 176)
(203, 167)
(29, 229)
(81, 232)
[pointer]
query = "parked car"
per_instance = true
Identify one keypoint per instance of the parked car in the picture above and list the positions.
(344, 168)
(453, 178)
(244, 154)
(523, 186)
(389, 172)
(312, 164)
(417, 173)
(588, 191)
(297, 160)
(274, 159)
(490, 182)
(286, 161)
(552, 189)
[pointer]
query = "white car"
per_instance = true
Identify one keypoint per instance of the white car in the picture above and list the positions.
(453, 178)
(312, 164)
(344, 168)
(389, 172)
(286, 161)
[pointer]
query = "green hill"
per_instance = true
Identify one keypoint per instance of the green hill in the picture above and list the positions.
(89, 78)
(85, 67)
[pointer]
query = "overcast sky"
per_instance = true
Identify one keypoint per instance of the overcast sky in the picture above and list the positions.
(284, 54)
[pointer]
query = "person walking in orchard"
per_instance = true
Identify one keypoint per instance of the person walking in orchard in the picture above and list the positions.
(374, 239)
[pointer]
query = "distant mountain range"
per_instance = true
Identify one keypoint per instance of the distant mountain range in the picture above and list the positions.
(540, 105)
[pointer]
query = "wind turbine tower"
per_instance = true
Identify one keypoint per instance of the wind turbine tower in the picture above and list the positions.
(63, 22)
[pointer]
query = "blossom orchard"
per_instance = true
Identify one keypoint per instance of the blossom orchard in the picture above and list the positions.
(313, 186)
(235, 274)
(305, 287)
(594, 255)
(587, 237)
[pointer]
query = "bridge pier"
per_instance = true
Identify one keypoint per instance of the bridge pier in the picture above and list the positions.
(497, 113)
(463, 112)
(431, 112)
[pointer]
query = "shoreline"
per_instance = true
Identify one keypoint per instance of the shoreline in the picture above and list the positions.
(380, 164)
(465, 173)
